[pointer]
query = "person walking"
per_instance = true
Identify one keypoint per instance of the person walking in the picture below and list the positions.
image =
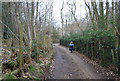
(71, 46)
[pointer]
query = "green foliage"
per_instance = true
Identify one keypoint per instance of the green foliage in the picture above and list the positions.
(12, 64)
(37, 79)
(10, 77)
(35, 52)
(95, 44)
(40, 62)
(32, 68)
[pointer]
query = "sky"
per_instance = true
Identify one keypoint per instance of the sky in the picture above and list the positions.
(80, 8)
(58, 5)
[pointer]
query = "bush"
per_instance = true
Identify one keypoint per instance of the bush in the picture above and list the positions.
(95, 44)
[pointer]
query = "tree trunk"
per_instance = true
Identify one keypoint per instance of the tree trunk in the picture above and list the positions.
(1, 35)
(20, 24)
(107, 13)
(62, 21)
(101, 17)
(118, 26)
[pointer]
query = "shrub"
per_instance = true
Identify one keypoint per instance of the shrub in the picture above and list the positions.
(94, 44)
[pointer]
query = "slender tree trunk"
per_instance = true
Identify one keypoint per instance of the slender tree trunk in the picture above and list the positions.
(118, 26)
(90, 12)
(29, 31)
(62, 21)
(95, 12)
(32, 20)
(36, 34)
(107, 13)
(20, 54)
(113, 8)
(101, 17)
(1, 35)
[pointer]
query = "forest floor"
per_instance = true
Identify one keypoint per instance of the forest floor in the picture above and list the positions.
(76, 66)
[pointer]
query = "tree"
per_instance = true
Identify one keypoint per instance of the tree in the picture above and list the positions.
(61, 12)
(73, 12)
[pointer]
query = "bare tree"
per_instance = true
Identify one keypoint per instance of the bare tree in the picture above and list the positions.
(73, 12)
(61, 12)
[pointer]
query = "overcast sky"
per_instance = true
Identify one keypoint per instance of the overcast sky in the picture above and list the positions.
(80, 8)
(58, 5)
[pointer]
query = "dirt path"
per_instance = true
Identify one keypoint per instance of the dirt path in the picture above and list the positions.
(70, 66)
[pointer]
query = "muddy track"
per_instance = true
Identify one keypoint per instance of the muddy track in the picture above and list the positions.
(70, 66)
